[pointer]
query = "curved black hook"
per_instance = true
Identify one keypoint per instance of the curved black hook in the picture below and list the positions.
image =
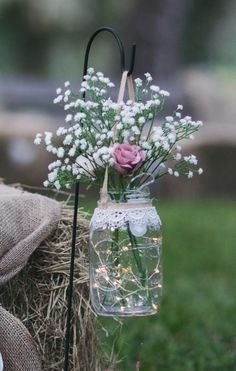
(121, 49)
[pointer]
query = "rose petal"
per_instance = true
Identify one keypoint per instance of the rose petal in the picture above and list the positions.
(127, 157)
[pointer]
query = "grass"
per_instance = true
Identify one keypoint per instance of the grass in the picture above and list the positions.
(195, 329)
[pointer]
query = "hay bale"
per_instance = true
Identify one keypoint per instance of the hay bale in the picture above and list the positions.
(37, 296)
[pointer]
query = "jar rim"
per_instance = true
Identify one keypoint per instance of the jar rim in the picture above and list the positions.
(129, 195)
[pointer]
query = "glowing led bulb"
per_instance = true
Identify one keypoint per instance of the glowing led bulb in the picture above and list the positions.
(125, 248)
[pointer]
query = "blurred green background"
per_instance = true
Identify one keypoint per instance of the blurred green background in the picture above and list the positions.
(189, 47)
(195, 327)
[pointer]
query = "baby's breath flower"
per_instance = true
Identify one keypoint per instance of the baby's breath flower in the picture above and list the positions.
(150, 115)
(90, 70)
(135, 130)
(38, 139)
(169, 118)
(60, 152)
(69, 118)
(60, 131)
(199, 123)
(58, 99)
(171, 137)
(191, 159)
(110, 134)
(154, 88)
(146, 145)
(190, 174)
(148, 76)
(119, 126)
(66, 107)
(141, 120)
(52, 176)
(165, 93)
(68, 139)
(57, 185)
(177, 156)
(93, 126)
(138, 82)
(79, 116)
(48, 137)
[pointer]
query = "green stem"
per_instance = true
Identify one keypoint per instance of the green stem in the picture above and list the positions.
(137, 257)
(114, 245)
(134, 246)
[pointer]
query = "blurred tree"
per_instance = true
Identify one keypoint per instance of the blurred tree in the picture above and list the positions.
(48, 37)
(159, 28)
(172, 33)
(222, 47)
(201, 24)
(23, 42)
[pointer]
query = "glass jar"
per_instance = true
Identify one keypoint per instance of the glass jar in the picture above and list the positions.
(125, 256)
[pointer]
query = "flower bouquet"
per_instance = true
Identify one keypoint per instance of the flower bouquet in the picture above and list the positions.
(123, 148)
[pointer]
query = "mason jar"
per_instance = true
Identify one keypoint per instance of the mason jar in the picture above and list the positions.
(125, 256)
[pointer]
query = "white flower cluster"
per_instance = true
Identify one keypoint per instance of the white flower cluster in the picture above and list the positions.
(84, 146)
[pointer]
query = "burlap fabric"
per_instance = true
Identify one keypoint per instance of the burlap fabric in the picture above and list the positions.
(18, 349)
(26, 219)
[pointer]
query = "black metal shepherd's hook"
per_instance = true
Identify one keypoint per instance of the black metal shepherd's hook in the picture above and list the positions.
(73, 246)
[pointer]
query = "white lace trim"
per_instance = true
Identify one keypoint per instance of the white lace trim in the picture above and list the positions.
(118, 217)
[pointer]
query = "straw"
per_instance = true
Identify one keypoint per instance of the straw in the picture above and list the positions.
(37, 296)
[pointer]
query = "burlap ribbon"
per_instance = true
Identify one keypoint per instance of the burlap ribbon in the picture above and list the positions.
(125, 79)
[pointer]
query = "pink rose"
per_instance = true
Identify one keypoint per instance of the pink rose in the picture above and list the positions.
(128, 157)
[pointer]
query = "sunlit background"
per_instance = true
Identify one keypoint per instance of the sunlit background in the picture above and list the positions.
(189, 47)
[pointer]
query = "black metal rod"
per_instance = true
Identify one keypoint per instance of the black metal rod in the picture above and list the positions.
(132, 61)
(76, 198)
(71, 280)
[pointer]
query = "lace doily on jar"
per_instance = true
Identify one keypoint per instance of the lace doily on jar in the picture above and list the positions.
(139, 219)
